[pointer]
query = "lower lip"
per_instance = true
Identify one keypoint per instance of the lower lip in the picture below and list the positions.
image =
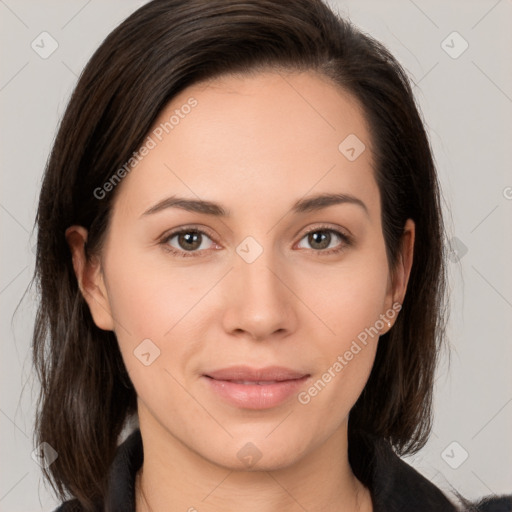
(256, 396)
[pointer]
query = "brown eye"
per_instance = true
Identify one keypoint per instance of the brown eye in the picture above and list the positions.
(189, 242)
(323, 241)
(319, 239)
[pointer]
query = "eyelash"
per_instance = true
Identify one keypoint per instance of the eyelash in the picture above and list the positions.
(346, 241)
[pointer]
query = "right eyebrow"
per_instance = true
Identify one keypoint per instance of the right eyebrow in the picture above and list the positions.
(191, 205)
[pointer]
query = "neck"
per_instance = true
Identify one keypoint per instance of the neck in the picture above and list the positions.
(175, 478)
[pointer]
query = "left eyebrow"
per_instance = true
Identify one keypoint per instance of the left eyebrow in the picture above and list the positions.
(307, 204)
(320, 201)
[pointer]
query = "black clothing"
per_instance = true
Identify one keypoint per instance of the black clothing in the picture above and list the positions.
(395, 486)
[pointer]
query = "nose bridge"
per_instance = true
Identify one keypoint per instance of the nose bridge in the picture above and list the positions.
(261, 302)
(257, 271)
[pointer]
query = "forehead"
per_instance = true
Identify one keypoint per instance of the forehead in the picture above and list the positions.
(269, 134)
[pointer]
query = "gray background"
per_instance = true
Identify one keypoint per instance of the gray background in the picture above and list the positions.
(466, 100)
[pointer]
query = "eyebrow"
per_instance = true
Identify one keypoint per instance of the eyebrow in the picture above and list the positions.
(308, 204)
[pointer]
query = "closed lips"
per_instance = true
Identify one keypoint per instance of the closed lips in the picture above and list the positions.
(260, 383)
(261, 376)
(255, 388)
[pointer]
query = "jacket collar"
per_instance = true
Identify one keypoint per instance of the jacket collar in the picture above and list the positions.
(394, 485)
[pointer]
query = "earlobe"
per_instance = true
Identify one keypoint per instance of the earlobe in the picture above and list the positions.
(89, 275)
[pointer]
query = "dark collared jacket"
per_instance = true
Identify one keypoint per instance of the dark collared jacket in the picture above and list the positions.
(395, 486)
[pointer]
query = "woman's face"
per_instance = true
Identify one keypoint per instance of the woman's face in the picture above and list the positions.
(245, 284)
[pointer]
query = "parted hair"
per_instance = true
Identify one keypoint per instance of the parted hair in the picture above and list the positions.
(162, 48)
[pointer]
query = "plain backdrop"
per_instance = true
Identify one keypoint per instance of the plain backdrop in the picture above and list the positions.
(457, 53)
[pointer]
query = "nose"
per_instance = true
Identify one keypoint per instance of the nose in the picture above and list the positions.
(260, 304)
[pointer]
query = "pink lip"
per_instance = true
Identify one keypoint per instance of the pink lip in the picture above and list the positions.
(255, 374)
(255, 396)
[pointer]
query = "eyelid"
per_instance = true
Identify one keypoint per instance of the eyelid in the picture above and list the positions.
(203, 230)
(346, 240)
(329, 227)
(189, 227)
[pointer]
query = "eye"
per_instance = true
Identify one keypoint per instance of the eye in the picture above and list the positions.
(323, 240)
(189, 241)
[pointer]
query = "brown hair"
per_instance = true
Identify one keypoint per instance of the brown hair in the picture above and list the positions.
(165, 46)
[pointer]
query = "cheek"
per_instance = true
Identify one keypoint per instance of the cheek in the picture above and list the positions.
(150, 317)
(147, 296)
(345, 357)
(349, 297)
(151, 300)
(349, 301)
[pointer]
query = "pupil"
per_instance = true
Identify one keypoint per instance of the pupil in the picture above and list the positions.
(323, 235)
(190, 238)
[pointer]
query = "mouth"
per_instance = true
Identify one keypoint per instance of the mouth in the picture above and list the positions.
(251, 388)
(251, 382)
(247, 374)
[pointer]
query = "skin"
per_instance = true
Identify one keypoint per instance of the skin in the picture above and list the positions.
(255, 144)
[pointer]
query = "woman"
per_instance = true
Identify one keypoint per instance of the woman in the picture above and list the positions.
(240, 251)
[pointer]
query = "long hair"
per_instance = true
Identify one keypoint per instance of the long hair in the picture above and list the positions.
(162, 48)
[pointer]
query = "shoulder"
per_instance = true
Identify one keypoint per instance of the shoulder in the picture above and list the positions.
(397, 486)
(413, 481)
(488, 504)
(70, 506)
(120, 494)
(493, 504)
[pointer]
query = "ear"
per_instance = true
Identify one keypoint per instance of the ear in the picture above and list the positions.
(402, 270)
(89, 275)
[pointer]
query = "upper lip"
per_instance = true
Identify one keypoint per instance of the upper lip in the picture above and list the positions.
(247, 373)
